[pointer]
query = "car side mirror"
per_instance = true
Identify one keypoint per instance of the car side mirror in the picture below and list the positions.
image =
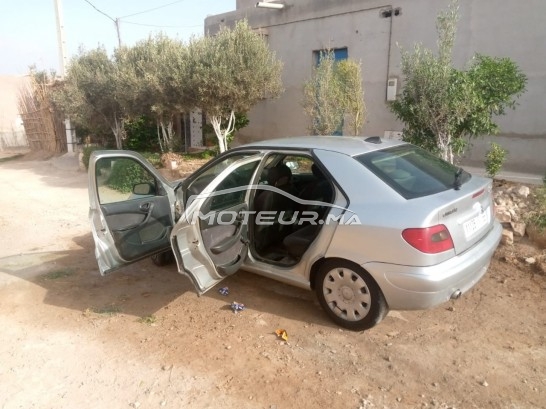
(143, 189)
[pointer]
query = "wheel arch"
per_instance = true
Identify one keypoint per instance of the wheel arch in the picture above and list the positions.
(345, 314)
(315, 268)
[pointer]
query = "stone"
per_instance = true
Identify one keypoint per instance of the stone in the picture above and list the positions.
(518, 228)
(523, 191)
(507, 237)
(503, 216)
(499, 201)
(530, 260)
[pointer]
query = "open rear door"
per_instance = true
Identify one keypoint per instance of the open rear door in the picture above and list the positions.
(130, 208)
(210, 241)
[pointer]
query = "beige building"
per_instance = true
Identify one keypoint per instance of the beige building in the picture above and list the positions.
(372, 31)
(12, 132)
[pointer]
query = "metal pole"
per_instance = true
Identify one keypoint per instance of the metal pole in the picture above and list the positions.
(62, 69)
(117, 30)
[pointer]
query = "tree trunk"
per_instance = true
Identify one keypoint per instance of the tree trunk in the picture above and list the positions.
(444, 145)
(166, 140)
(118, 130)
(159, 136)
(222, 134)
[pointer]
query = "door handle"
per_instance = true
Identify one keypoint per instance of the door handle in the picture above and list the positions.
(145, 206)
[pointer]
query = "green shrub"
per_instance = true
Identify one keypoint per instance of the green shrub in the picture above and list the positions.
(125, 174)
(536, 215)
(87, 154)
(494, 159)
(141, 134)
(207, 154)
(539, 217)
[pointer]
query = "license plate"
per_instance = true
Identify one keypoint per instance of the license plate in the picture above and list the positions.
(473, 225)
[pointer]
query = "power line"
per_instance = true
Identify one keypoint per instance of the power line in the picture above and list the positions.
(119, 19)
(101, 12)
(154, 25)
(153, 9)
(116, 21)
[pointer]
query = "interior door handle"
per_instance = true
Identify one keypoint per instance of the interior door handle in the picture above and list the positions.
(145, 206)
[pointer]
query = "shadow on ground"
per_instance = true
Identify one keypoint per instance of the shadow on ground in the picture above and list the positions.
(72, 280)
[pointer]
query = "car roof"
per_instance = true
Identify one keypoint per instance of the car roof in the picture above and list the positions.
(349, 145)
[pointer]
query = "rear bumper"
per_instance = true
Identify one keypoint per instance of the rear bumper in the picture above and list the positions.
(416, 288)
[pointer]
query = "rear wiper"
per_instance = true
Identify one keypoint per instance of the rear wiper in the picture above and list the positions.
(457, 182)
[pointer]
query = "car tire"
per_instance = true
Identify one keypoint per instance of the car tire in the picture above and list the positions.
(162, 259)
(349, 295)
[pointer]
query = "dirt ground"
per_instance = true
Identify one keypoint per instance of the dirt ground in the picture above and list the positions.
(142, 338)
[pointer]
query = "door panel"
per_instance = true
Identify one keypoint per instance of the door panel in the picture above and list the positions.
(130, 208)
(139, 226)
(227, 244)
(211, 240)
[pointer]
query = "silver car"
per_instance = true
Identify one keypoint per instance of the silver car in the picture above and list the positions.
(371, 225)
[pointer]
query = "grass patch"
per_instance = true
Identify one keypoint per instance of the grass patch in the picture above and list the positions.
(148, 319)
(109, 310)
(539, 221)
(537, 217)
(55, 275)
(206, 154)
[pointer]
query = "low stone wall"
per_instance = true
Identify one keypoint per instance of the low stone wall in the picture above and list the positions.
(511, 205)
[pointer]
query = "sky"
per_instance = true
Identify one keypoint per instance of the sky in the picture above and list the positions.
(28, 28)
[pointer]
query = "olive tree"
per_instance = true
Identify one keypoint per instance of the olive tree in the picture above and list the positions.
(350, 74)
(230, 72)
(153, 77)
(441, 106)
(333, 94)
(89, 93)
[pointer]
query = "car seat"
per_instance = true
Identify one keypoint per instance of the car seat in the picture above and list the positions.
(280, 177)
(318, 189)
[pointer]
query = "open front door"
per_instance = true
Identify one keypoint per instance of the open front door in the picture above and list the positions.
(210, 241)
(129, 208)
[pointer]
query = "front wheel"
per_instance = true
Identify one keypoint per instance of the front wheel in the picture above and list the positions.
(350, 296)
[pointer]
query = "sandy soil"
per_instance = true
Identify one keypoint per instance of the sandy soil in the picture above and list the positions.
(141, 337)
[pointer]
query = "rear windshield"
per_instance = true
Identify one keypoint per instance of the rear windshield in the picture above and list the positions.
(412, 171)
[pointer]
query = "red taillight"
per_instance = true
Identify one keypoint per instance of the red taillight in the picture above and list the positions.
(430, 240)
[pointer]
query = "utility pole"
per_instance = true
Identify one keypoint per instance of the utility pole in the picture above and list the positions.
(116, 22)
(62, 68)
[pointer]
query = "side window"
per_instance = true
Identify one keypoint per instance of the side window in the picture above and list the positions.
(201, 182)
(299, 165)
(298, 175)
(227, 194)
(121, 179)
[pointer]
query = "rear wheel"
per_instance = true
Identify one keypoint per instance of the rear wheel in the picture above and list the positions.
(349, 295)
